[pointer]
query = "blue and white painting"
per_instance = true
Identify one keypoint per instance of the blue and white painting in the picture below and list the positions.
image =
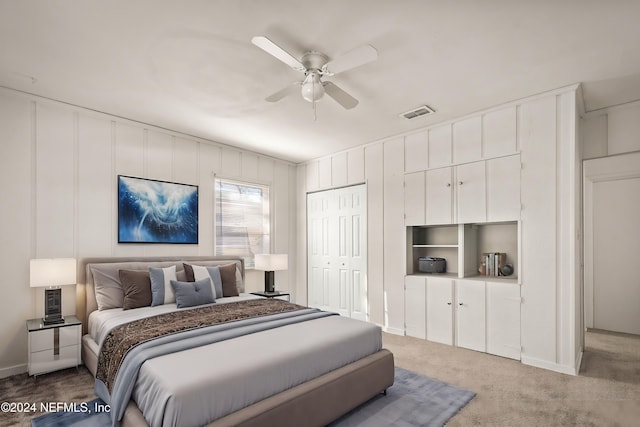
(152, 211)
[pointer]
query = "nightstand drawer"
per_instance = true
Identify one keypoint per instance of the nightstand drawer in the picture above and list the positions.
(45, 361)
(44, 340)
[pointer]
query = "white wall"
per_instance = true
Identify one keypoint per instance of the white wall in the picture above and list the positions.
(611, 131)
(58, 169)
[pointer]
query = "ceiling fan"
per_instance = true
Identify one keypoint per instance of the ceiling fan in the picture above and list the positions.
(315, 65)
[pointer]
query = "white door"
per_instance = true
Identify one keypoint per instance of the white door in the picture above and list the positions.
(440, 310)
(336, 240)
(320, 219)
(503, 319)
(439, 200)
(356, 259)
(470, 190)
(470, 314)
(415, 306)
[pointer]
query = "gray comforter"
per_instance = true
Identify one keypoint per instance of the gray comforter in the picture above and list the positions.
(155, 406)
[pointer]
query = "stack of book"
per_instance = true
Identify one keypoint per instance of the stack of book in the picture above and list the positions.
(492, 263)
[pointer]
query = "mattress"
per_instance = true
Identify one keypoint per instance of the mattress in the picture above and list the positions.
(196, 386)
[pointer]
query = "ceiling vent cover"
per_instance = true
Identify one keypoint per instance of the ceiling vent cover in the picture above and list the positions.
(423, 110)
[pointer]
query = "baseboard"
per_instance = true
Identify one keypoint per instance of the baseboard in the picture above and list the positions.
(538, 363)
(13, 370)
(579, 360)
(394, 331)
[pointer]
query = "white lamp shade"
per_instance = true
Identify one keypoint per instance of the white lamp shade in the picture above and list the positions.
(52, 272)
(272, 262)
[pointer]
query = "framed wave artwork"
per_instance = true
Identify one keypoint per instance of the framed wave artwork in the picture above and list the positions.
(151, 211)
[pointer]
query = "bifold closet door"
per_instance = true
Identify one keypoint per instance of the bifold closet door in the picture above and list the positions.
(337, 247)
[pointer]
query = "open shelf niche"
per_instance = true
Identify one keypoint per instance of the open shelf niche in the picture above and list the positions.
(464, 245)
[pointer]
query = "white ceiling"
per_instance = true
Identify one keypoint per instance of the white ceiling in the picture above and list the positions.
(190, 66)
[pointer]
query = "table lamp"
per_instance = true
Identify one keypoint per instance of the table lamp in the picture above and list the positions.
(52, 273)
(270, 263)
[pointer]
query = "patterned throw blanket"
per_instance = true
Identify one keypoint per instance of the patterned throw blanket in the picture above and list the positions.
(123, 338)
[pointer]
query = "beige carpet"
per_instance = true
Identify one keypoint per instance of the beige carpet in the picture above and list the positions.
(606, 393)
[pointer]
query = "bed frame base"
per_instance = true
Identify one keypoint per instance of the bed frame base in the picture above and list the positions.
(314, 403)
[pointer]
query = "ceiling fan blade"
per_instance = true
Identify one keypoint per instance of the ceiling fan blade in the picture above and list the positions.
(273, 49)
(339, 95)
(352, 59)
(286, 91)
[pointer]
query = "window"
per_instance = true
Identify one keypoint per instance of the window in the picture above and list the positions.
(242, 219)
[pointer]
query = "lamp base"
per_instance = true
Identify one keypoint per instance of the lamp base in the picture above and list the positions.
(52, 306)
(269, 282)
(52, 320)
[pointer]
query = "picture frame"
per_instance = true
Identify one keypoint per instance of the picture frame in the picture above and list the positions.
(154, 211)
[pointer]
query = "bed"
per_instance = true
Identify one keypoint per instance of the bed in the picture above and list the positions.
(287, 365)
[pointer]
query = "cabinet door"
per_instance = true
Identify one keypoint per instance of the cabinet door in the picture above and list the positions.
(414, 306)
(416, 152)
(439, 203)
(503, 319)
(440, 310)
(414, 194)
(467, 140)
(470, 188)
(470, 310)
(503, 189)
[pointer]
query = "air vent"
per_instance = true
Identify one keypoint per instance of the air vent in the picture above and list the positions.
(423, 110)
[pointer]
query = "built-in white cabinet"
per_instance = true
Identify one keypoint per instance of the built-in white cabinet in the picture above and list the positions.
(414, 307)
(503, 188)
(470, 314)
(467, 140)
(472, 192)
(416, 152)
(439, 146)
(503, 319)
(475, 314)
(414, 198)
(499, 133)
(440, 305)
(464, 247)
(439, 196)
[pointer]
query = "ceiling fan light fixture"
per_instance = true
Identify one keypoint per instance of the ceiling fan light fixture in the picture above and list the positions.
(312, 89)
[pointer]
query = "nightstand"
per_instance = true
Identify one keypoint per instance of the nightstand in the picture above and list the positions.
(275, 294)
(53, 347)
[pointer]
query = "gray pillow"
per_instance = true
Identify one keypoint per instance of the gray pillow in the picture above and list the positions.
(161, 289)
(190, 294)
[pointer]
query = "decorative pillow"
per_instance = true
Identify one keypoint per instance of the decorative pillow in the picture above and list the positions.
(228, 274)
(137, 288)
(190, 294)
(213, 273)
(161, 289)
(108, 289)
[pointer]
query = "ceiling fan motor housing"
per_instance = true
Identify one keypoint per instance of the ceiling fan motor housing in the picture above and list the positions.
(314, 60)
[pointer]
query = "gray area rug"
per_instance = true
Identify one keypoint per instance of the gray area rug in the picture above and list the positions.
(413, 400)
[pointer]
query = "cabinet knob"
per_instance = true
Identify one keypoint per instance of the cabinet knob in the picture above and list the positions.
(460, 304)
(448, 303)
(448, 184)
(459, 182)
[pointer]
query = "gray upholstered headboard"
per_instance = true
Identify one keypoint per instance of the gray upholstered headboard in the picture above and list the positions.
(85, 292)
